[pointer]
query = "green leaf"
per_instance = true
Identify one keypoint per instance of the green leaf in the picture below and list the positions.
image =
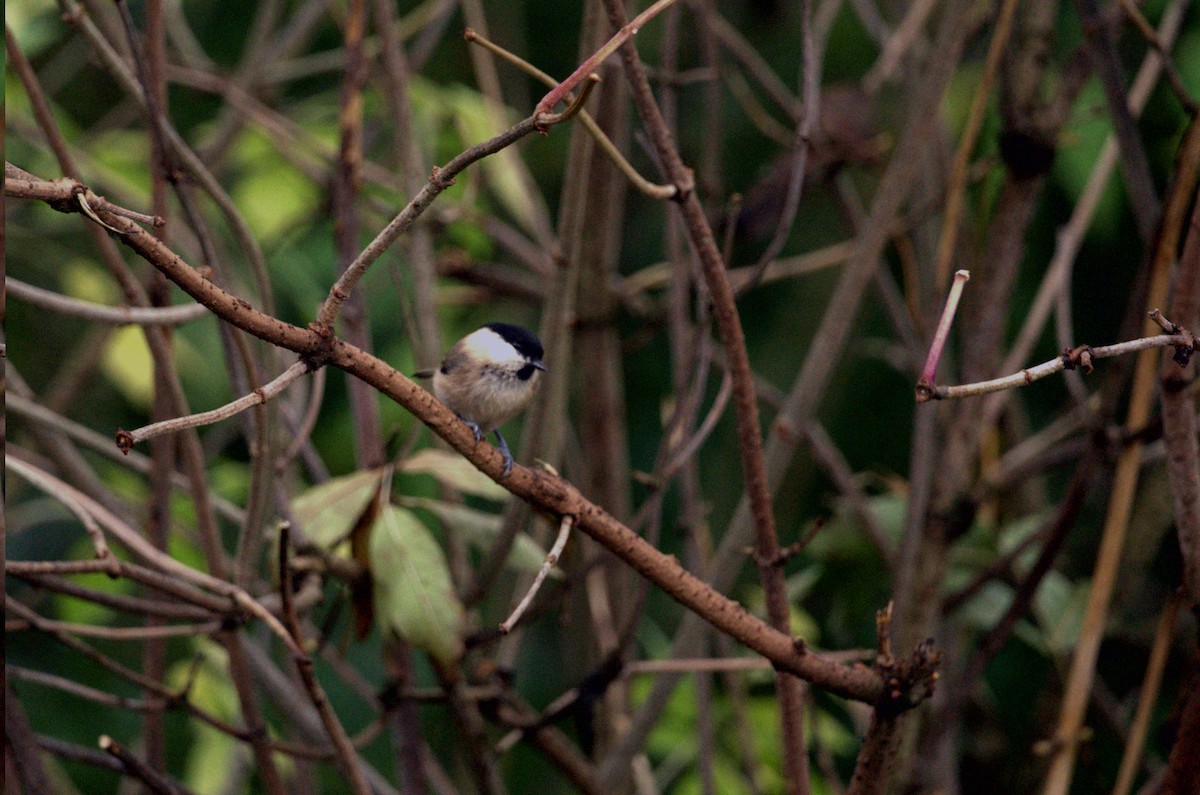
(328, 512)
(209, 752)
(983, 610)
(480, 529)
(84, 611)
(127, 364)
(1059, 607)
(477, 119)
(414, 597)
(272, 194)
(455, 471)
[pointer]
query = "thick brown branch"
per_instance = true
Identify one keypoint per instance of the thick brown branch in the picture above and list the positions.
(542, 490)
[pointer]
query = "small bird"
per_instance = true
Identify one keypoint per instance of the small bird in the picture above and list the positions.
(488, 377)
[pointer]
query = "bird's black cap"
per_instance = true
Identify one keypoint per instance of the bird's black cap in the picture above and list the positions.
(524, 340)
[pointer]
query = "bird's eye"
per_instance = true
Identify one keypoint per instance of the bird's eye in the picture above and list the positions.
(526, 372)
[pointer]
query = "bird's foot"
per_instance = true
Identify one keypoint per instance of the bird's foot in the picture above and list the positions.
(474, 426)
(502, 446)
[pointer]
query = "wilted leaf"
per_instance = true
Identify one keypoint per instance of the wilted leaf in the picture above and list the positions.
(480, 529)
(329, 511)
(414, 597)
(361, 596)
(455, 471)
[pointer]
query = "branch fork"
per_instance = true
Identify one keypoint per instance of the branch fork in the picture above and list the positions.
(544, 120)
(1079, 357)
(907, 682)
(1183, 351)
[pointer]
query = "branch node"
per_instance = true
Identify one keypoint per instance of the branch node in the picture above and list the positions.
(435, 178)
(544, 121)
(318, 353)
(787, 431)
(1183, 353)
(80, 193)
(684, 187)
(1078, 357)
(926, 391)
(124, 440)
(907, 682)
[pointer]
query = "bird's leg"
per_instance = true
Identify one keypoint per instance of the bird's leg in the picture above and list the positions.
(504, 451)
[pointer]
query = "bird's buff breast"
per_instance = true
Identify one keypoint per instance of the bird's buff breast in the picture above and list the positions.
(491, 407)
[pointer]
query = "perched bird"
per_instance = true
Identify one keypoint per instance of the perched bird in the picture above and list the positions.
(488, 377)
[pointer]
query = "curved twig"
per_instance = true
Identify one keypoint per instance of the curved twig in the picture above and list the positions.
(643, 185)
(127, 439)
(1077, 357)
(98, 313)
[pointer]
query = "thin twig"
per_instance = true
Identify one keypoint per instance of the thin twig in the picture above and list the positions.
(966, 145)
(592, 63)
(1148, 33)
(810, 78)
(736, 45)
(697, 438)
(898, 44)
(644, 186)
(943, 330)
(307, 422)
(112, 633)
(1144, 200)
(1148, 696)
(127, 439)
(25, 408)
(98, 313)
(743, 95)
(153, 780)
(104, 556)
(440, 179)
(346, 757)
(161, 608)
(564, 532)
(136, 543)
(1077, 357)
(92, 694)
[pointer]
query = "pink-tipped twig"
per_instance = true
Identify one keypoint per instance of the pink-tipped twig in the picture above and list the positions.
(627, 32)
(943, 330)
